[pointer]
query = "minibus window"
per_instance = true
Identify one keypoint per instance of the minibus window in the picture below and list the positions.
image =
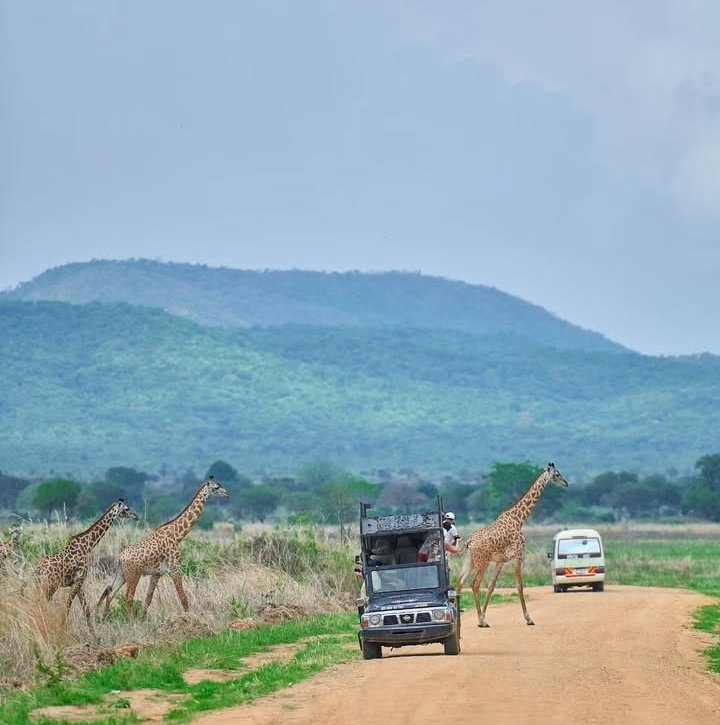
(569, 548)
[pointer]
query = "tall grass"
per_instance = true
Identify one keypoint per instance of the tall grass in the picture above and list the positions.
(228, 575)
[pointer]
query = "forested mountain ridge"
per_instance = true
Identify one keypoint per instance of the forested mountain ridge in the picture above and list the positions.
(87, 387)
(243, 298)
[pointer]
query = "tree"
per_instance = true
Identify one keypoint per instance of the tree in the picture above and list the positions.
(87, 504)
(404, 495)
(257, 502)
(478, 504)
(315, 474)
(702, 497)
(162, 508)
(10, 488)
(223, 472)
(507, 482)
(56, 494)
(130, 480)
(105, 493)
(600, 491)
(340, 499)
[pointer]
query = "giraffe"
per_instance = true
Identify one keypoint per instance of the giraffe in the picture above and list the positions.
(9, 547)
(503, 541)
(69, 567)
(159, 554)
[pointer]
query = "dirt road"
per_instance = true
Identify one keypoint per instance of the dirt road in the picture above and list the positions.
(627, 656)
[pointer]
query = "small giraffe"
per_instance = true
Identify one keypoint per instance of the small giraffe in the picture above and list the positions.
(503, 541)
(159, 554)
(9, 548)
(69, 567)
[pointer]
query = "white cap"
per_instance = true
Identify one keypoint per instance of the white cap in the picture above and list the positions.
(450, 516)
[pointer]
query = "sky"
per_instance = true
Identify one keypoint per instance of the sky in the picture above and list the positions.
(565, 152)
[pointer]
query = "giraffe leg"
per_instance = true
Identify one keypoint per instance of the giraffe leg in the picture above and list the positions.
(476, 585)
(131, 581)
(519, 585)
(176, 576)
(86, 609)
(154, 579)
(490, 590)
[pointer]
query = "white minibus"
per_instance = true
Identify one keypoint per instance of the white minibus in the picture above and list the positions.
(578, 560)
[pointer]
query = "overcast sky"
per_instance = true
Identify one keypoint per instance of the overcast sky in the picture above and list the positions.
(564, 152)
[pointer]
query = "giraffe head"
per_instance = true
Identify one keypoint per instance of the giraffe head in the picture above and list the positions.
(122, 511)
(213, 488)
(554, 476)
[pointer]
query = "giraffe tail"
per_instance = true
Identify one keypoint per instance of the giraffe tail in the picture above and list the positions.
(110, 590)
(104, 596)
(466, 570)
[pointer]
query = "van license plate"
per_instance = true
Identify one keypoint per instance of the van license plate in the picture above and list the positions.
(581, 571)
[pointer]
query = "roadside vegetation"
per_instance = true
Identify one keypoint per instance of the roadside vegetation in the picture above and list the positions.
(256, 591)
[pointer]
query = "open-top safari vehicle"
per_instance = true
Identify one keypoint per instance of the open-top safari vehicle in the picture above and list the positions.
(407, 597)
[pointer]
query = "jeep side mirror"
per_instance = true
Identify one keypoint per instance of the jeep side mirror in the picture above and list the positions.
(550, 555)
(357, 559)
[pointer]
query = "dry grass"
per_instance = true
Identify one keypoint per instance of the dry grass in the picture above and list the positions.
(233, 576)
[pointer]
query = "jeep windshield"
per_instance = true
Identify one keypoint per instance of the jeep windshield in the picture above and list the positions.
(406, 578)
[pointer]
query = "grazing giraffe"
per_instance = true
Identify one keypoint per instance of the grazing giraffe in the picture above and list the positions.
(69, 567)
(159, 554)
(9, 547)
(503, 541)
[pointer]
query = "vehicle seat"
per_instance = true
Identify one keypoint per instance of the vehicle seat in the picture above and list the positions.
(406, 552)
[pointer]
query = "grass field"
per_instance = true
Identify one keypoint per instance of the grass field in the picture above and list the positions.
(235, 577)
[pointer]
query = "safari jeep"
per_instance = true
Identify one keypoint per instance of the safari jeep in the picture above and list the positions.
(406, 600)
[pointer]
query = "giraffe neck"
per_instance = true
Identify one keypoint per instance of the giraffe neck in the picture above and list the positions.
(89, 538)
(180, 526)
(525, 505)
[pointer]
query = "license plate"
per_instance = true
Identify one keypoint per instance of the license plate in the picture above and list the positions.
(581, 571)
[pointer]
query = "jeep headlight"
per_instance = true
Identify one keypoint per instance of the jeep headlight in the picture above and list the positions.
(370, 620)
(438, 614)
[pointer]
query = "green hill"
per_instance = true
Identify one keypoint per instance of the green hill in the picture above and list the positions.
(86, 387)
(240, 298)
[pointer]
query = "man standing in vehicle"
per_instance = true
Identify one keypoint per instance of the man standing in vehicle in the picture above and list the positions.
(452, 536)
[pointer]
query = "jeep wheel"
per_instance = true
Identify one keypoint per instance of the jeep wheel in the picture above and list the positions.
(452, 644)
(371, 650)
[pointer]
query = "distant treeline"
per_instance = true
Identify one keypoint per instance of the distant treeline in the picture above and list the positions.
(323, 492)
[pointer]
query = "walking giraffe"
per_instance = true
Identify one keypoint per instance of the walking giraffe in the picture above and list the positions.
(159, 554)
(69, 567)
(9, 547)
(503, 541)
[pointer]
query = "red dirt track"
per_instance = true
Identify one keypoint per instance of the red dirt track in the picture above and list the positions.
(626, 656)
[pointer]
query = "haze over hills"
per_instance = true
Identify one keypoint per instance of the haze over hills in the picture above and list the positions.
(99, 384)
(243, 298)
